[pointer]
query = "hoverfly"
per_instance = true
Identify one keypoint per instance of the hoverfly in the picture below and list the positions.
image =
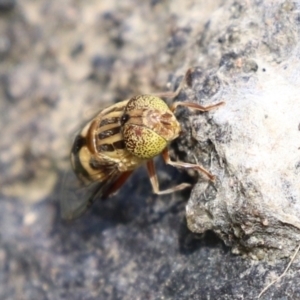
(120, 139)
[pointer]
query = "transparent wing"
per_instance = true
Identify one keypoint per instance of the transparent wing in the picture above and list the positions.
(76, 197)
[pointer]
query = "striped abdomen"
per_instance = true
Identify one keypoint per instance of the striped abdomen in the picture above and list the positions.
(108, 130)
(99, 150)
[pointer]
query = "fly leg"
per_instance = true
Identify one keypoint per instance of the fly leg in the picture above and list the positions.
(195, 106)
(184, 165)
(172, 95)
(186, 80)
(155, 184)
(117, 184)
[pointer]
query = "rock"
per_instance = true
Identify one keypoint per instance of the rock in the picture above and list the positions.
(252, 143)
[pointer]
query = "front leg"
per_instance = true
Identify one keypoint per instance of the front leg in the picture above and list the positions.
(180, 164)
(172, 95)
(195, 106)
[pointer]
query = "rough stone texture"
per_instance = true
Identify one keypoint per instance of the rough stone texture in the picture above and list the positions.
(254, 141)
(63, 60)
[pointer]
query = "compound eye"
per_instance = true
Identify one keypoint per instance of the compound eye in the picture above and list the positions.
(143, 142)
(146, 102)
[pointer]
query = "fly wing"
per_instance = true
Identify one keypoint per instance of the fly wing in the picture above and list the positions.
(76, 197)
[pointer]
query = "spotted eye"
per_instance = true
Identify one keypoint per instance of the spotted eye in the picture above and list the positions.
(146, 102)
(143, 142)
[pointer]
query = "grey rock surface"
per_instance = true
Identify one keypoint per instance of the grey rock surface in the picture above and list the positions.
(253, 142)
(63, 60)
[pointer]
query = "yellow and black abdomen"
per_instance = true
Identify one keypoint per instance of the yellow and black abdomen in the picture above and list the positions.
(80, 159)
(109, 138)
(99, 150)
